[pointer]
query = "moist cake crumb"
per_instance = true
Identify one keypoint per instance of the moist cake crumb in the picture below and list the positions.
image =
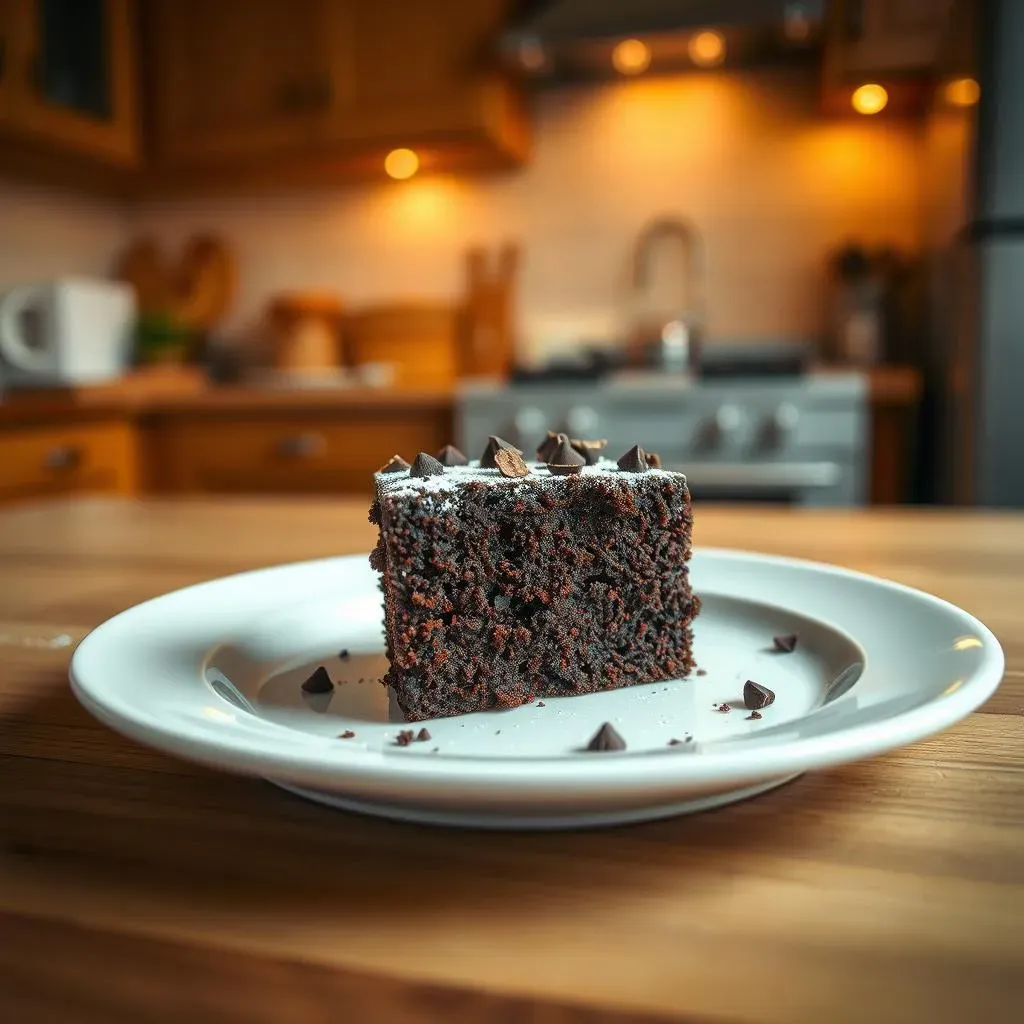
(499, 590)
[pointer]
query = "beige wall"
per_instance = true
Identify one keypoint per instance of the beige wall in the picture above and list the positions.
(45, 234)
(770, 184)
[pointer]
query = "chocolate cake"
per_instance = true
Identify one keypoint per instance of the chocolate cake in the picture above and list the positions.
(501, 587)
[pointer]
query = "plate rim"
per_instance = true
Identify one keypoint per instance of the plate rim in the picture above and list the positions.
(332, 765)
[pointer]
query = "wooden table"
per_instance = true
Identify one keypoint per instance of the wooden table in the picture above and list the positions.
(134, 887)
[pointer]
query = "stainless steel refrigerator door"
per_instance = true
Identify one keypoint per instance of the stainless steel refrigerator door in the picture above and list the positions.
(998, 392)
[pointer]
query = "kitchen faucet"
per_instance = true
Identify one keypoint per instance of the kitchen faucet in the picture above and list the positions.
(678, 338)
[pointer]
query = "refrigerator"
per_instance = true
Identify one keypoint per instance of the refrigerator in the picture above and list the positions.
(974, 249)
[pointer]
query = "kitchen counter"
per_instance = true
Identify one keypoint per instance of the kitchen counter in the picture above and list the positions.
(165, 433)
(126, 400)
(136, 887)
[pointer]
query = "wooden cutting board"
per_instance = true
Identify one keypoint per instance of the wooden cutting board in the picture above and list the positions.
(419, 339)
(197, 290)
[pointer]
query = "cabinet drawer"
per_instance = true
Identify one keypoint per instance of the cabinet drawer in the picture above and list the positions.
(293, 453)
(53, 461)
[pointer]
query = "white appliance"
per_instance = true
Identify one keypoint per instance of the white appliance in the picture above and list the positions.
(66, 331)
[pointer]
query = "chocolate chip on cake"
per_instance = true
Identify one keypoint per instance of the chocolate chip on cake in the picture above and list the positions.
(426, 465)
(343, 654)
(347, 735)
(495, 444)
(318, 682)
(423, 735)
(754, 715)
(724, 708)
(785, 644)
(701, 672)
(449, 455)
(590, 450)
(634, 461)
(606, 738)
(396, 464)
(653, 460)
(565, 460)
(548, 445)
(674, 742)
(510, 464)
(756, 696)
(405, 737)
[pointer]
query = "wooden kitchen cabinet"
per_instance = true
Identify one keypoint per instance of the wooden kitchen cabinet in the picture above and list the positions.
(68, 77)
(6, 37)
(315, 83)
(38, 460)
(286, 450)
(879, 38)
(239, 79)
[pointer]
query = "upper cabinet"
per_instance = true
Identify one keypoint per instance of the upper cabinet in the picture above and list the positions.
(892, 43)
(67, 77)
(6, 34)
(235, 79)
(885, 37)
(261, 86)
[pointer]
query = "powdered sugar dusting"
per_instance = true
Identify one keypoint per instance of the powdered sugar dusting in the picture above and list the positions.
(454, 477)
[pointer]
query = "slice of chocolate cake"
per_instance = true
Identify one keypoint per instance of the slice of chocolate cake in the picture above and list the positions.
(501, 588)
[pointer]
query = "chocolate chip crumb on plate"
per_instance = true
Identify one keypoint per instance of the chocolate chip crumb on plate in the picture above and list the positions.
(224, 665)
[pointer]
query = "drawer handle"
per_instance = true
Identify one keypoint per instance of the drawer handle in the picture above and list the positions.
(63, 458)
(301, 446)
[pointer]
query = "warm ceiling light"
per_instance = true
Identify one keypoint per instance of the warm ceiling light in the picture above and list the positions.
(962, 92)
(707, 49)
(869, 99)
(631, 57)
(401, 164)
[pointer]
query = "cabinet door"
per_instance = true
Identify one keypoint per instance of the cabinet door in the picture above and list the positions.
(6, 42)
(417, 67)
(891, 36)
(237, 78)
(71, 75)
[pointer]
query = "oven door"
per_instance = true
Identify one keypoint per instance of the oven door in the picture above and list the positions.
(781, 483)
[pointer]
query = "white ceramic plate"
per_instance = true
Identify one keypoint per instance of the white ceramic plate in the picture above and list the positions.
(213, 674)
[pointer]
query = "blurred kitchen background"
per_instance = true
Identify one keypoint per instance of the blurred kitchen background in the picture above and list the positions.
(259, 246)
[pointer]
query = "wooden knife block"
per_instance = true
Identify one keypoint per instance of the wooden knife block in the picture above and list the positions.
(488, 342)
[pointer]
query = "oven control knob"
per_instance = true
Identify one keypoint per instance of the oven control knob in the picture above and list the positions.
(581, 421)
(529, 423)
(728, 419)
(785, 419)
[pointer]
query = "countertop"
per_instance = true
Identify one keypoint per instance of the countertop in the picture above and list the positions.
(136, 887)
(893, 385)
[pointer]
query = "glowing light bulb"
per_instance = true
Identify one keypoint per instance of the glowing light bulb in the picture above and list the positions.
(869, 99)
(401, 164)
(631, 57)
(962, 92)
(707, 49)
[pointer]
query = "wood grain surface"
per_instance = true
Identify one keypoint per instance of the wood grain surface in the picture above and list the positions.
(136, 887)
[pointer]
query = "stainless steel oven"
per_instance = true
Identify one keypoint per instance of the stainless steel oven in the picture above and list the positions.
(796, 441)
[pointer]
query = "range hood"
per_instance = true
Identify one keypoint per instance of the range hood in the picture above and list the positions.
(557, 40)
